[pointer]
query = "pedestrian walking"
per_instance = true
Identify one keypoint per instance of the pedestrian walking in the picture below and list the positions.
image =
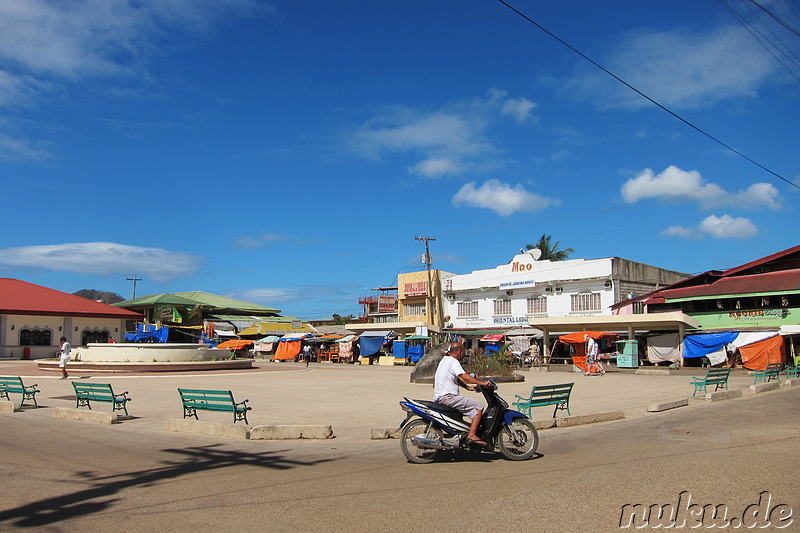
(63, 356)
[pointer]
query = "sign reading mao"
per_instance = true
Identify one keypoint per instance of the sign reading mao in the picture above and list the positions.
(416, 288)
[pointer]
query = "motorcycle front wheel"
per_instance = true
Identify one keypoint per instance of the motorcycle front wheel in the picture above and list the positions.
(419, 428)
(518, 440)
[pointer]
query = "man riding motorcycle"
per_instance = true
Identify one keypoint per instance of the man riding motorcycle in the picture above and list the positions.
(449, 376)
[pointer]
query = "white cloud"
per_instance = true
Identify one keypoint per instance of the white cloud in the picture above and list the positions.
(680, 69)
(103, 258)
(250, 242)
(436, 167)
(12, 149)
(674, 184)
(500, 197)
(728, 227)
(267, 296)
(443, 141)
(55, 40)
(724, 227)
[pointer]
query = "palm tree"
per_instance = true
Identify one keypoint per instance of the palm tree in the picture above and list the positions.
(550, 251)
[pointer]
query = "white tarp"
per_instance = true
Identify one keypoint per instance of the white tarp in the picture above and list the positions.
(746, 338)
(663, 348)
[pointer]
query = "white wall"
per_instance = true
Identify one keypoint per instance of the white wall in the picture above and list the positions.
(10, 326)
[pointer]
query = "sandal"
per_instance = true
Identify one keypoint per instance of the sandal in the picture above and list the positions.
(478, 442)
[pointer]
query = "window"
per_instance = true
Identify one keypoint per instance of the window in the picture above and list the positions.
(415, 309)
(585, 301)
(93, 336)
(467, 308)
(34, 337)
(502, 306)
(537, 304)
(638, 308)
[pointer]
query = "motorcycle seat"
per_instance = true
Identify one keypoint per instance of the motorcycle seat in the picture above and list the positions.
(442, 408)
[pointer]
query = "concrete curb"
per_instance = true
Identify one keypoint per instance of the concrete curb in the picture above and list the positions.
(8, 407)
(664, 406)
(791, 382)
(652, 372)
(93, 417)
(384, 433)
(723, 395)
(764, 387)
(208, 429)
(291, 432)
(594, 418)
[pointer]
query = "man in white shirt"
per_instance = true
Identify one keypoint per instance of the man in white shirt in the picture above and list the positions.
(449, 376)
(63, 357)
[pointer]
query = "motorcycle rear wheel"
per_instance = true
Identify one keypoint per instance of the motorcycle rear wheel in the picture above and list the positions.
(518, 440)
(421, 428)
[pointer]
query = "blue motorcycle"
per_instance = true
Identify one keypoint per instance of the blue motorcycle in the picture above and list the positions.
(431, 428)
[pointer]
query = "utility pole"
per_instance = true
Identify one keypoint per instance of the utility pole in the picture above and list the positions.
(134, 279)
(428, 308)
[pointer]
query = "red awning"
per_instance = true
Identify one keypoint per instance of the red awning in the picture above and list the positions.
(492, 338)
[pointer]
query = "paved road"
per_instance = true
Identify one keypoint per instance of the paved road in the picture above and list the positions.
(67, 476)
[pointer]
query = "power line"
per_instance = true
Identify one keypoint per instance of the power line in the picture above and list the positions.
(646, 97)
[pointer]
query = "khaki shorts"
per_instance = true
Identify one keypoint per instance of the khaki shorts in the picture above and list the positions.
(468, 406)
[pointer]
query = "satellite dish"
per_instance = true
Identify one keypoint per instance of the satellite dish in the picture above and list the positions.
(535, 253)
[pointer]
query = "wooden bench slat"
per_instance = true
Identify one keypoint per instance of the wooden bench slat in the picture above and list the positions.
(14, 384)
(194, 400)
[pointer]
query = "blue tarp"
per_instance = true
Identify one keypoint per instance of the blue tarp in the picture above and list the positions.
(369, 345)
(151, 334)
(400, 350)
(706, 343)
(416, 353)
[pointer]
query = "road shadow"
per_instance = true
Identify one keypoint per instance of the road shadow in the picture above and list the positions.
(477, 457)
(97, 496)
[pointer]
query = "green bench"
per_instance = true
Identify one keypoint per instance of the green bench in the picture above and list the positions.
(773, 371)
(99, 392)
(792, 371)
(543, 395)
(212, 400)
(14, 385)
(714, 376)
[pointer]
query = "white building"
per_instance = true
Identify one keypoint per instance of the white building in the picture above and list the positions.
(509, 295)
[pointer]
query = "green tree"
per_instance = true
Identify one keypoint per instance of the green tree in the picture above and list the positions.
(549, 250)
(100, 296)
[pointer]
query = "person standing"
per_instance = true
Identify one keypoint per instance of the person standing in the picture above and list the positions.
(307, 354)
(63, 356)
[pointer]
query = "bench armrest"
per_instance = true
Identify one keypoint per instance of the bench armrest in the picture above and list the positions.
(518, 397)
(242, 404)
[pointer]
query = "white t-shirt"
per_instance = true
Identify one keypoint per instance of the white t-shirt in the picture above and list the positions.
(65, 350)
(446, 380)
(591, 348)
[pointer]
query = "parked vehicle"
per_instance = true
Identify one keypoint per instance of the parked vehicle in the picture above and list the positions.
(431, 428)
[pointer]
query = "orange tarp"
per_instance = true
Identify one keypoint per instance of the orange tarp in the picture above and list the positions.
(758, 355)
(287, 350)
(580, 362)
(577, 337)
(234, 344)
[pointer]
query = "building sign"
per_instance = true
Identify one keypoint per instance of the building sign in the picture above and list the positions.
(527, 283)
(167, 313)
(387, 304)
(510, 320)
(416, 288)
(516, 266)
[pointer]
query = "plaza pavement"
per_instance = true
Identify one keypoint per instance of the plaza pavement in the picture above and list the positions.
(353, 399)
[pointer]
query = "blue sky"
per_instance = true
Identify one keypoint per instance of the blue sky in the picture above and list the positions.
(287, 153)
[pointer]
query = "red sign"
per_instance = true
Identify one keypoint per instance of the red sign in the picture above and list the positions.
(387, 304)
(416, 288)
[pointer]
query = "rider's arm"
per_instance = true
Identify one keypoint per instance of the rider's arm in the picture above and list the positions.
(464, 379)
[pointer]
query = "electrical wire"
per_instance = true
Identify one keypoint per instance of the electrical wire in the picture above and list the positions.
(776, 18)
(648, 98)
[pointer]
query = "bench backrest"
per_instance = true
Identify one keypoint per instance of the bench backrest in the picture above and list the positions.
(773, 368)
(94, 391)
(551, 392)
(714, 375)
(9, 381)
(206, 397)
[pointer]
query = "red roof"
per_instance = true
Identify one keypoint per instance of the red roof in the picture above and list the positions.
(782, 280)
(23, 298)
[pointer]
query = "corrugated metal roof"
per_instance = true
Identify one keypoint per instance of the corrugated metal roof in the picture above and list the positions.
(780, 281)
(22, 298)
(222, 302)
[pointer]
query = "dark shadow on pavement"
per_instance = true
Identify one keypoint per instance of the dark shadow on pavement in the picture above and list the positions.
(97, 496)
